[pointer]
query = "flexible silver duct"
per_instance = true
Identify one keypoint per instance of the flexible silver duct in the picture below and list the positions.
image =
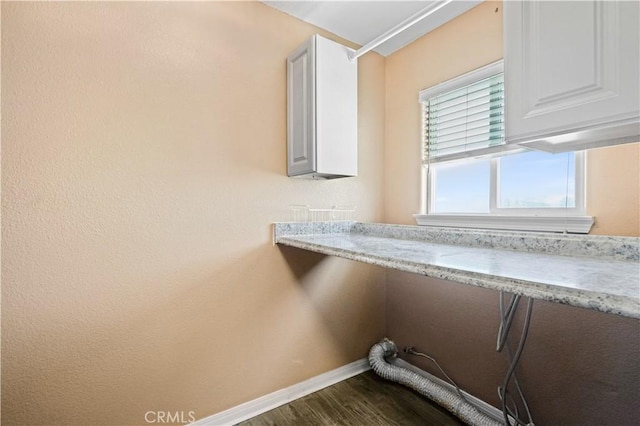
(442, 396)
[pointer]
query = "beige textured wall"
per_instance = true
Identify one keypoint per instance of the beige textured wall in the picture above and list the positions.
(468, 42)
(143, 161)
(579, 367)
(613, 189)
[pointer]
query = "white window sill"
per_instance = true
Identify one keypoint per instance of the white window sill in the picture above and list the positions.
(572, 224)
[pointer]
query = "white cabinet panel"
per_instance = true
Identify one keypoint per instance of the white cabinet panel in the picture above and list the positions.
(301, 110)
(322, 111)
(571, 73)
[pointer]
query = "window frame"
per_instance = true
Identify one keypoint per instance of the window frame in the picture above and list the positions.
(534, 219)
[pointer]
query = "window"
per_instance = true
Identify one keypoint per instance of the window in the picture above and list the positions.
(524, 183)
(473, 179)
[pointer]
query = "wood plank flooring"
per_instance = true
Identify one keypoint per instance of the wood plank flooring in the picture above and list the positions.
(363, 400)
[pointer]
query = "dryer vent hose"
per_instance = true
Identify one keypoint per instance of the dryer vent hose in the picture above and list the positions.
(386, 349)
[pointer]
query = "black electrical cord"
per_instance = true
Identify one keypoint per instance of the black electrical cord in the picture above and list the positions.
(410, 350)
(506, 320)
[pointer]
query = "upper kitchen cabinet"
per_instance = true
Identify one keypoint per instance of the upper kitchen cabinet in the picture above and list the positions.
(571, 73)
(322, 111)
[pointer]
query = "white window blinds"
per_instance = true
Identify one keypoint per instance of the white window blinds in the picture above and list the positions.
(464, 117)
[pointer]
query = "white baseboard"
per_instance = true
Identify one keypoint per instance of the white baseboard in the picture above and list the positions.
(482, 406)
(273, 400)
(278, 398)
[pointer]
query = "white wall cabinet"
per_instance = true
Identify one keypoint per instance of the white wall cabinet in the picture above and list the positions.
(571, 73)
(322, 111)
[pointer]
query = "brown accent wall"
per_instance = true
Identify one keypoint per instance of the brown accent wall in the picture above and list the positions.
(579, 367)
(143, 162)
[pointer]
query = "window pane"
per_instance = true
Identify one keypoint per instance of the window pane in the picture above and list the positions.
(461, 187)
(537, 180)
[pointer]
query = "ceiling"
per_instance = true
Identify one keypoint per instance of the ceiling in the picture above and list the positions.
(363, 21)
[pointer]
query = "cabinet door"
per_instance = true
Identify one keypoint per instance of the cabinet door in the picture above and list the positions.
(336, 109)
(571, 67)
(301, 153)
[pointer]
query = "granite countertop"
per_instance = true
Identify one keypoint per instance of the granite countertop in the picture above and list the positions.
(594, 272)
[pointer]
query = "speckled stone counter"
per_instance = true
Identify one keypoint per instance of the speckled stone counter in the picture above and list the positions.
(594, 272)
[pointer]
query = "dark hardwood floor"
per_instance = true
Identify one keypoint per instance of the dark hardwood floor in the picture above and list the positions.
(363, 400)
